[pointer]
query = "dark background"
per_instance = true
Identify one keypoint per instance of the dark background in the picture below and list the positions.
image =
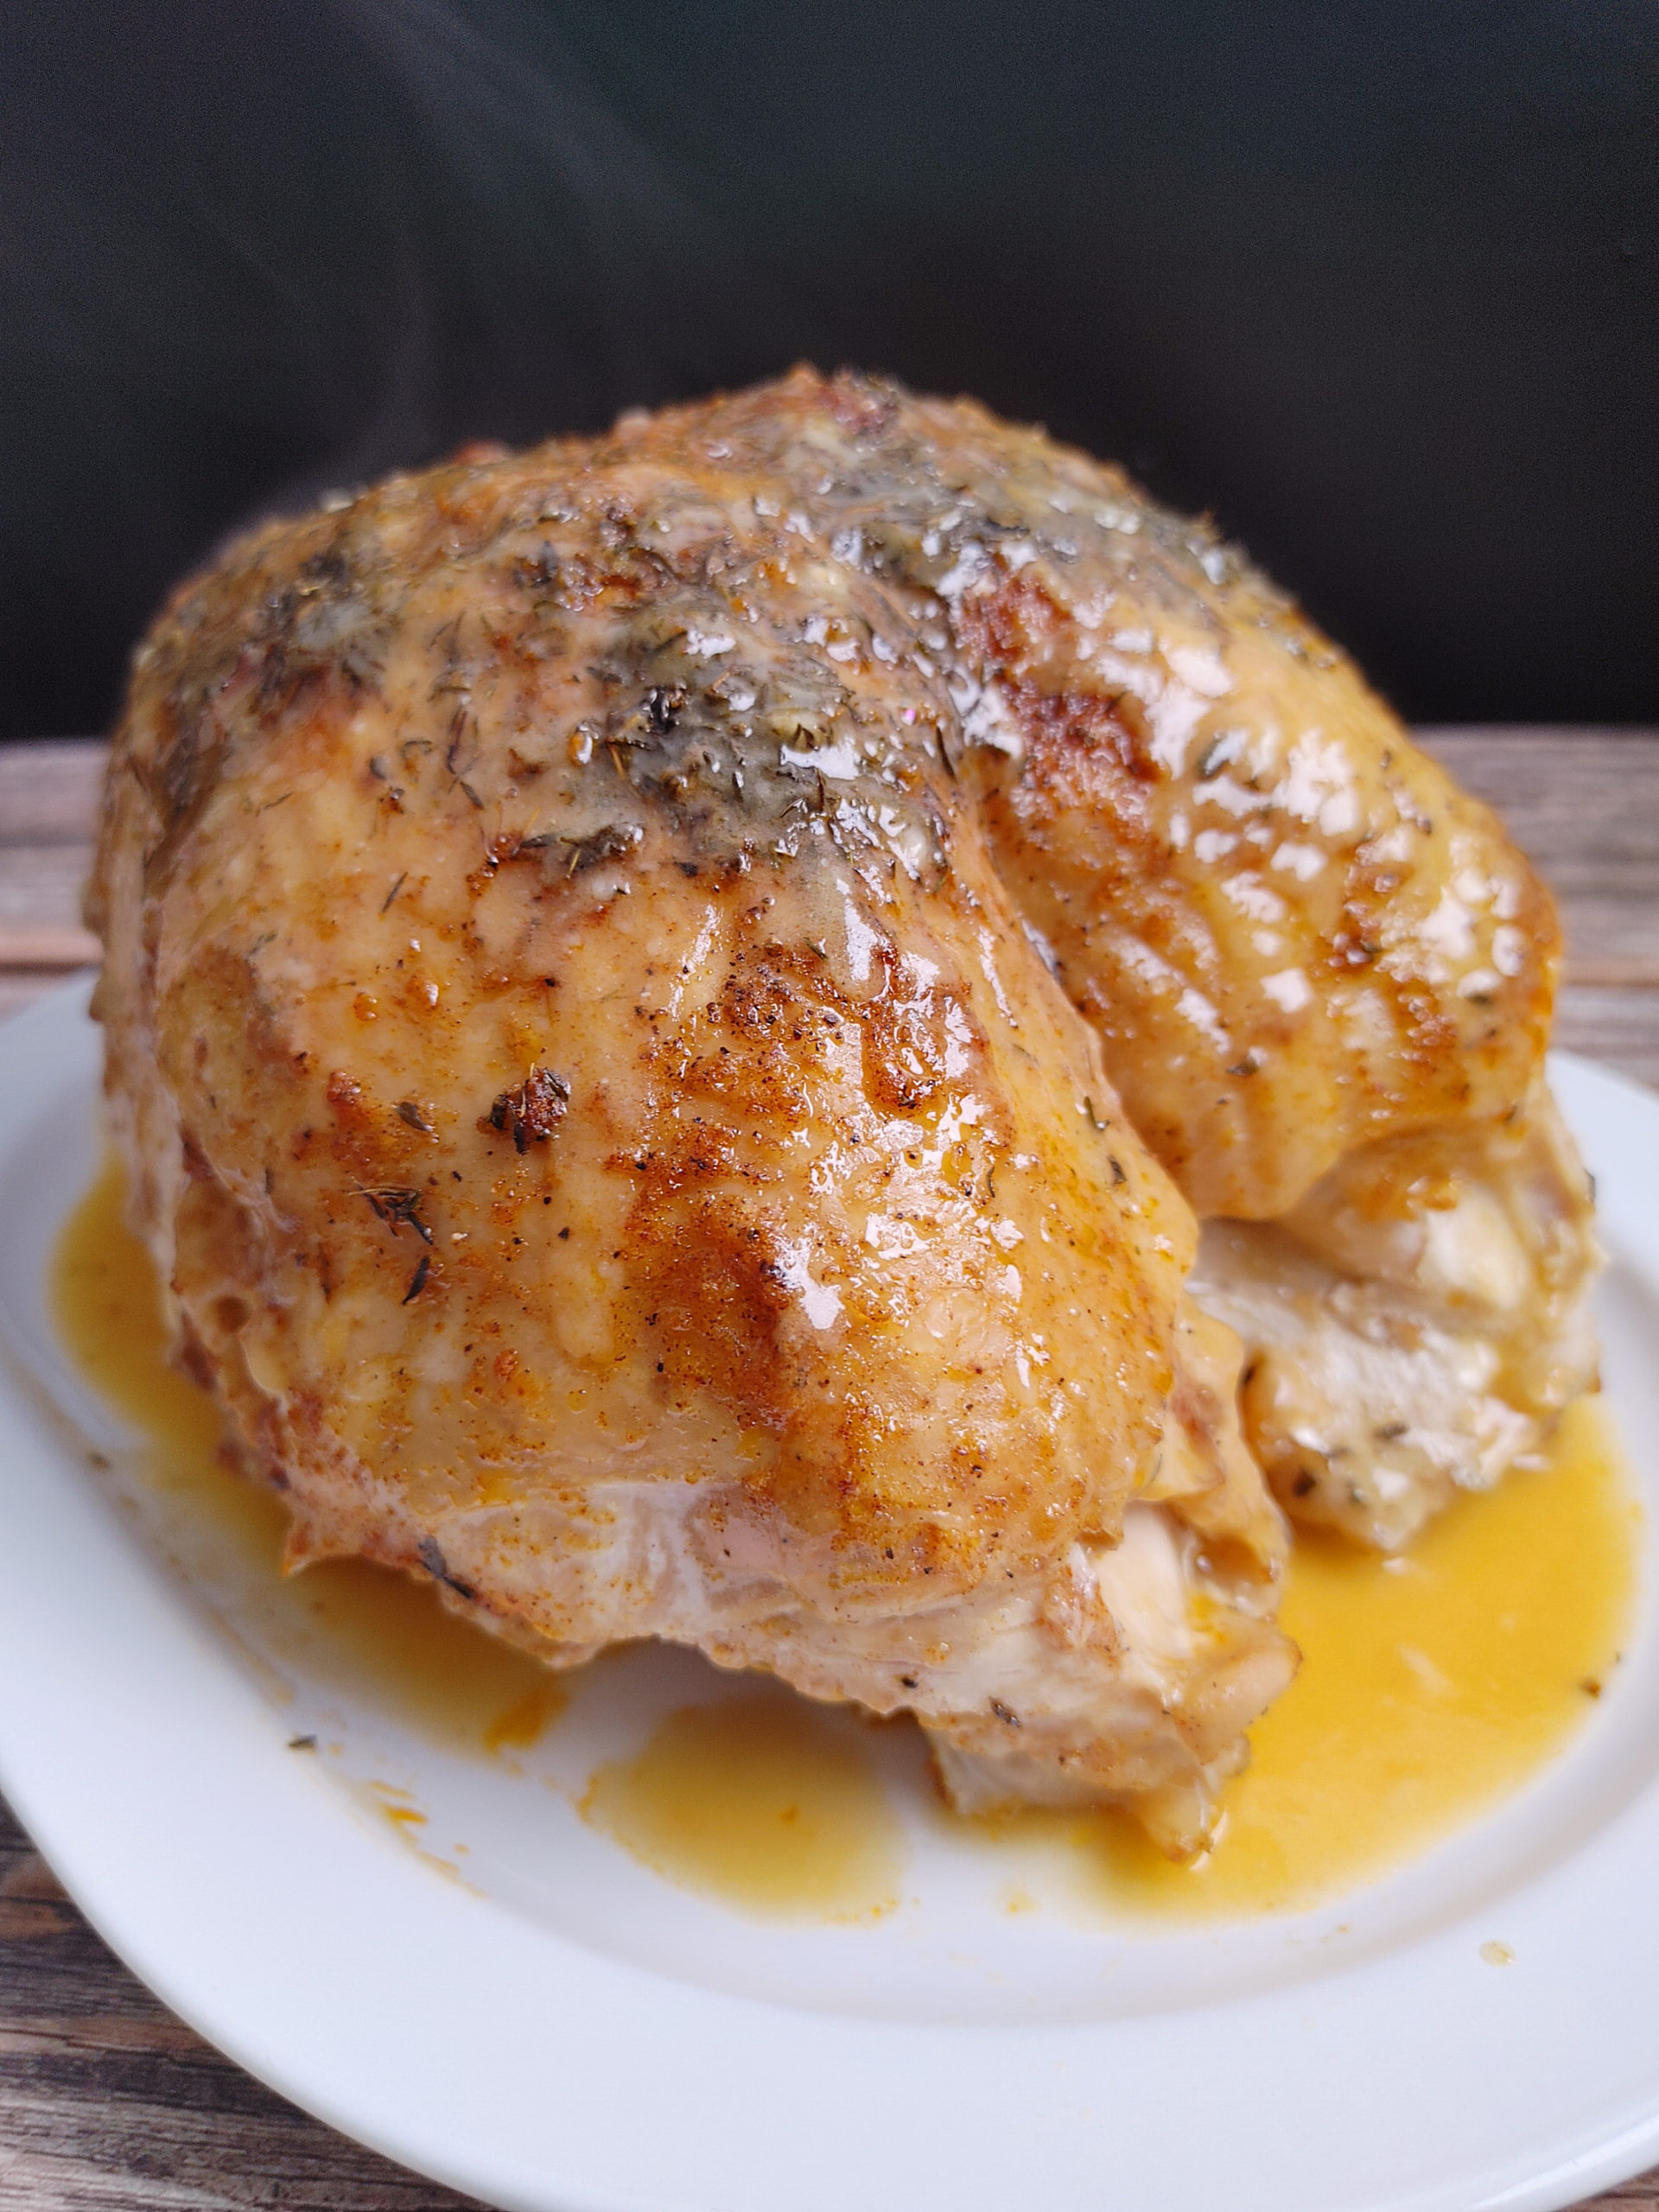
(1376, 283)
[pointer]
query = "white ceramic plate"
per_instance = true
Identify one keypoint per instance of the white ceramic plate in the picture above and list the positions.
(562, 2032)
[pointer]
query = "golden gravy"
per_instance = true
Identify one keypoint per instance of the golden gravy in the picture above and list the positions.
(1430, 1687)
(762, 1800)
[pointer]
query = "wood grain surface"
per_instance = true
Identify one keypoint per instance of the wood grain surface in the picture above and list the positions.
(109, 2104)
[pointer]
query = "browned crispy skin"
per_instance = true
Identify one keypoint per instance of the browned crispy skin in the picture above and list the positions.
(1309, 957)
(596, 941)
(614, 1146)
(1292, 931)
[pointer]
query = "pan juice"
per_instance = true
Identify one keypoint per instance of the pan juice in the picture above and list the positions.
(1432, 1685)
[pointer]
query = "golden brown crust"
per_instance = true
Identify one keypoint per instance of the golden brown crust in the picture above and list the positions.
(1290, 939)
(577, 1007)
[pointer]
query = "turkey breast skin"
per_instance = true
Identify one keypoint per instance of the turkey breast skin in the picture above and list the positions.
(613, 1148)
(666, 998)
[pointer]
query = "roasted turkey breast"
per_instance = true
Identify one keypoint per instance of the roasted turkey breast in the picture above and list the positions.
(622, 966)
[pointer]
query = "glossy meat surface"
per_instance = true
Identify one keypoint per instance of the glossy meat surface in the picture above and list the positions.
(616, 1150)
(610, 953)
(1293, 933)
(1302, 947)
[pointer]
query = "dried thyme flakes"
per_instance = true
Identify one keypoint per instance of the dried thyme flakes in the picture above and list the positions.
(532, 1111)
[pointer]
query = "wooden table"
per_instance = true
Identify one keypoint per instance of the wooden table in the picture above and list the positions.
(105, 2098)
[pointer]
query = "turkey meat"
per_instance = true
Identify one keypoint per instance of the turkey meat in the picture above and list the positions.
(621, 966)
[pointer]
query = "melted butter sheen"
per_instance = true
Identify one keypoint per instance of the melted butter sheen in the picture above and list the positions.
(363, 1629)
(760, 1800)
(1430, 1686)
